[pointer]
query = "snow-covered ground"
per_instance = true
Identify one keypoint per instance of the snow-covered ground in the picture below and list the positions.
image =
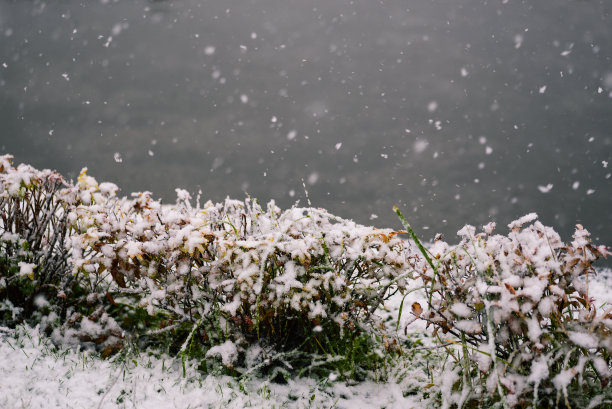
(34, 374)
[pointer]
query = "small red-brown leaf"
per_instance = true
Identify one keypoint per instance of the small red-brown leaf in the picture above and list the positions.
(417, 309)
(510, 288)
(117, 275)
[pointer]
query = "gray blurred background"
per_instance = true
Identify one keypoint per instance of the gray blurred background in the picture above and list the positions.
(457, 111)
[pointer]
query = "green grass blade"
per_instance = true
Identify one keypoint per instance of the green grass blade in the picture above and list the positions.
(414, 237)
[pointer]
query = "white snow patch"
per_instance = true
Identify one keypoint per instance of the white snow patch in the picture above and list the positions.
(539, 370)
(469, 326)
(461, 310)
(26, 269)
(226, 351)
(583, 339)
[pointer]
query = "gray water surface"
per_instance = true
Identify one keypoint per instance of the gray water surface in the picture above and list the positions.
(457, 111)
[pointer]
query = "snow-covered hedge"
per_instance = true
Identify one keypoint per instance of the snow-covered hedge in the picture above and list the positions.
(259, 287)
(236, 270)
(298, 279)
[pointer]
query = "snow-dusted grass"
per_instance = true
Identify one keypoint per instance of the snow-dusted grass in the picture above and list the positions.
(34, 374)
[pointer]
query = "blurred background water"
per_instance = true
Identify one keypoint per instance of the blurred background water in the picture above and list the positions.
(457, 111)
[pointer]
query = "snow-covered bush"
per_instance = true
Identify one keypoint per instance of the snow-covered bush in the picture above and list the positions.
(36, 276)
(517, 309)
(299, 280)
(33, 230)
(199, 276)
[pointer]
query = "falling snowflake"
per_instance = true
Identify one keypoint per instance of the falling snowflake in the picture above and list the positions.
(313, 178)
(545, 189)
